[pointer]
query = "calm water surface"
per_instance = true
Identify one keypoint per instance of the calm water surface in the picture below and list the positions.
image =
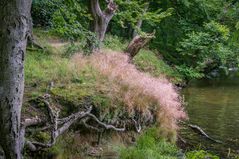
(214, 106)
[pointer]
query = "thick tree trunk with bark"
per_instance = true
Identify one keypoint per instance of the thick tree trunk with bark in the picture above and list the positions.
(101, 18)
(14, 30)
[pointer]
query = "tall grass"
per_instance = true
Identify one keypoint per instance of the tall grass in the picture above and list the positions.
(42, 67)
(138, 91)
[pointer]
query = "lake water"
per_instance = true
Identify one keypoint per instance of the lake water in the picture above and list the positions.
(214, 106)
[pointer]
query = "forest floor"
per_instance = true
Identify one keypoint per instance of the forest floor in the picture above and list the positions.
(49, 71)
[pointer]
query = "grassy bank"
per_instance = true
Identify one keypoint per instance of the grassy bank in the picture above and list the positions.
(55, 70)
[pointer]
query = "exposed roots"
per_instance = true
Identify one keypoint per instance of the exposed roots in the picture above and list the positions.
(58, 126)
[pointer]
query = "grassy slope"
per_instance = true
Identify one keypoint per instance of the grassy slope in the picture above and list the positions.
(72, 86)
(146, 60)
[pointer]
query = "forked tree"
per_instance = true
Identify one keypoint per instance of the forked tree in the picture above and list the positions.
(101, 18)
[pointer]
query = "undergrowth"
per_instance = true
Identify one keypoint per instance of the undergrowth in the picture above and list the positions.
(150, 146)
(117, 89)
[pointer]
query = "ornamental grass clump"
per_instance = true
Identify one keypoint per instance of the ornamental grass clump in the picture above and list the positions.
(153, 98)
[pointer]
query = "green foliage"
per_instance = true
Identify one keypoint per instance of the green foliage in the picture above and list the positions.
(204, 50)
(130, 12)
(115, 43)
(67, 20)
(149, 146)
(188, 72)
(42, 11)
(193, 27)
(72, 48)
(200, 155)
(43, 68)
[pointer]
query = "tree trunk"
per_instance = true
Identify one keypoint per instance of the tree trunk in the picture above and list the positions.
(139, 24)
(138, 43)
(101, 19)
(14, 30)
(140, 21)
(100, 26)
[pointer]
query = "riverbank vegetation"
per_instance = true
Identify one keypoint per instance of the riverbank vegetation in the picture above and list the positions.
(102, 77)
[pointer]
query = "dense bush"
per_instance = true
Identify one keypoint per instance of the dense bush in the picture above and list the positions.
(42, 12)
(67, 19)
(203, 51)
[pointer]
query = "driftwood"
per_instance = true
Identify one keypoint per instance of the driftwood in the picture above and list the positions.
(203, 133)
(200, 131)
(58, 126)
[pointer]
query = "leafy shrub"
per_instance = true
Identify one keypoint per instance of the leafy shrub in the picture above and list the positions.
(67, 19)
(203, 51)
(65, 25)
(42, 11)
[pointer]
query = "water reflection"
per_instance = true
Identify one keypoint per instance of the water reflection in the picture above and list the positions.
(214, 105)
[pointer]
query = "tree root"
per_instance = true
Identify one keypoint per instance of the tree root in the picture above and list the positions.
(59, 126)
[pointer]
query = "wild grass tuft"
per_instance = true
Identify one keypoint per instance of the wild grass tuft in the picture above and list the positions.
(150, 146)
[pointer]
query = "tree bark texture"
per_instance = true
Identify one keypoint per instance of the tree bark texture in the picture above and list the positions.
(138, 43)
(14, 30)
(101, 18)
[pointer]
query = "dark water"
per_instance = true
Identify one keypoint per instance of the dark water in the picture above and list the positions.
(214, 106)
